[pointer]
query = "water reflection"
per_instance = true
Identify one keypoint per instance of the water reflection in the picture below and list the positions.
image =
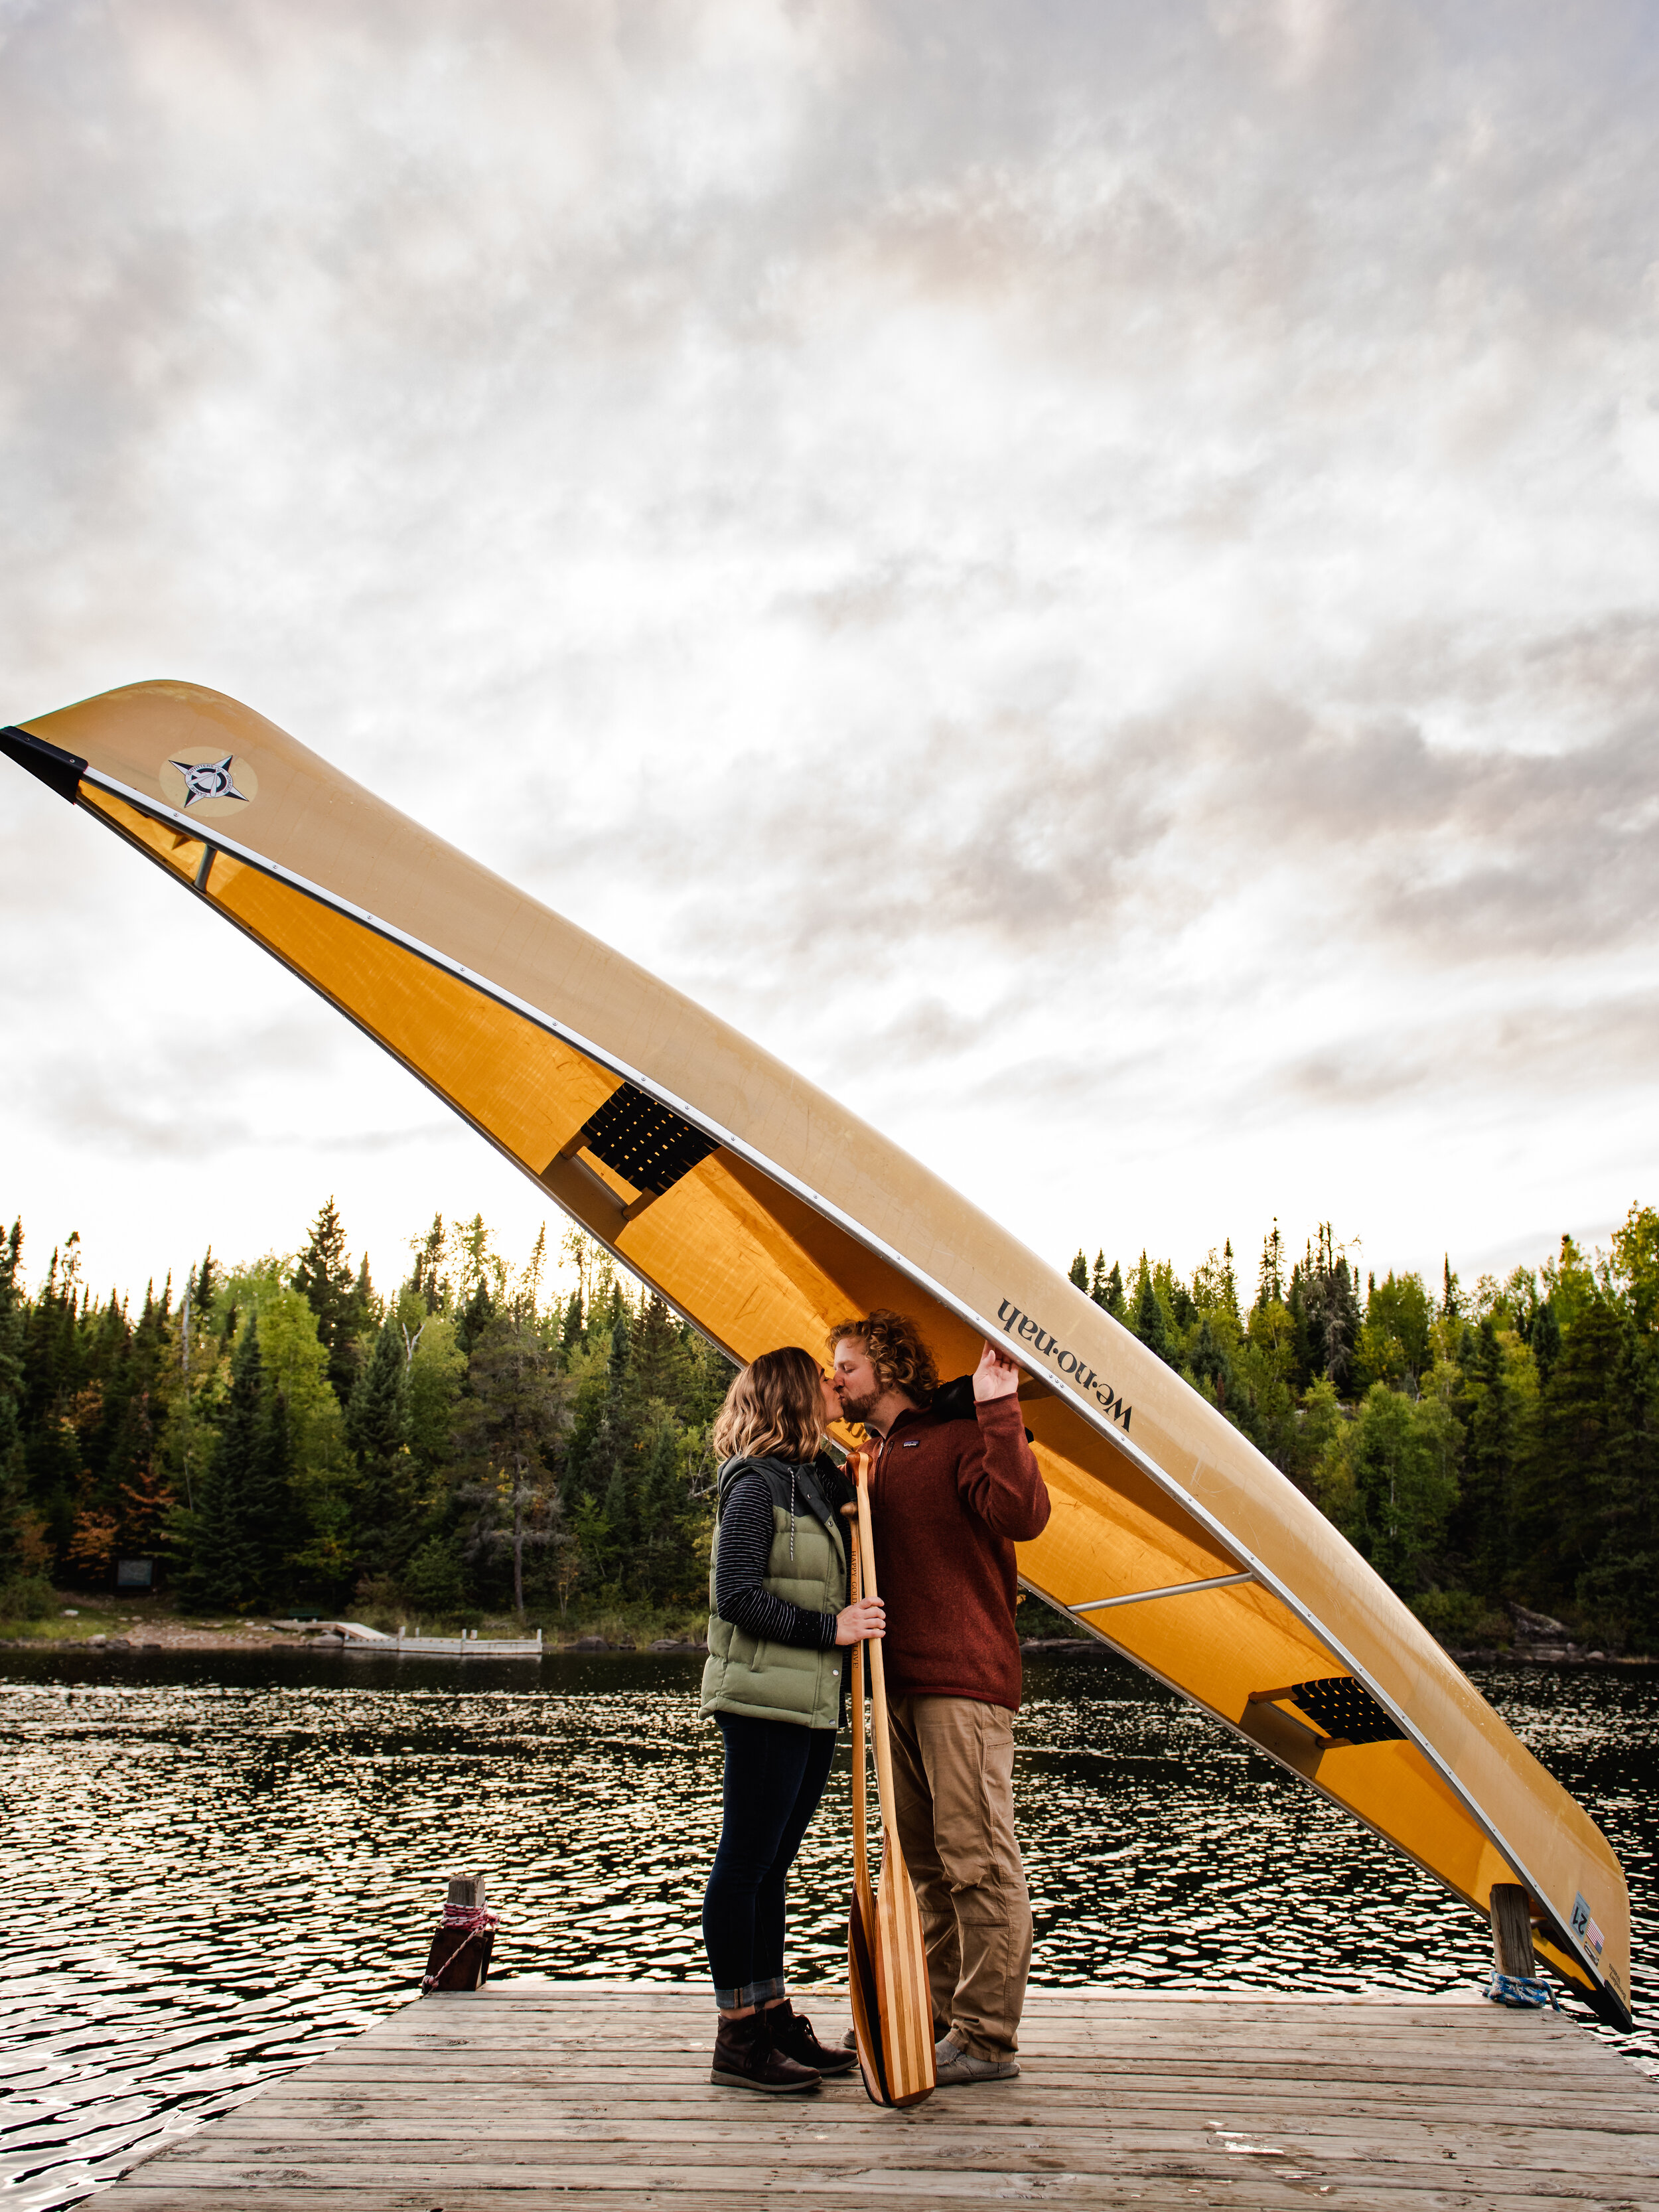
(225, 1864)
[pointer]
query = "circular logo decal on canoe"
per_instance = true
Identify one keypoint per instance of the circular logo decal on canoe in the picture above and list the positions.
(202, 780)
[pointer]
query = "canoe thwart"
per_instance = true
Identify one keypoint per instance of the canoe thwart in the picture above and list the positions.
(1173, 1590)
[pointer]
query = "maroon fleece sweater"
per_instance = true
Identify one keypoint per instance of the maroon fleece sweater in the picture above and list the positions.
(949, 1500)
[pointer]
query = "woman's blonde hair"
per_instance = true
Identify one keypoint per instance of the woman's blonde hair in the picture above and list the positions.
(773, 1409)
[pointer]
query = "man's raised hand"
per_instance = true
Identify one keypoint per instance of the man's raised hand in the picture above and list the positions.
(996, 1376)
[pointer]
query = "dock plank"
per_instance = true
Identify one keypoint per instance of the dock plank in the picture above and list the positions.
(532, 2093)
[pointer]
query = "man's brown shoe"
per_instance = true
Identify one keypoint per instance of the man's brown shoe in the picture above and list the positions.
(794, 2035)
(953, 2067)
(744, 2059)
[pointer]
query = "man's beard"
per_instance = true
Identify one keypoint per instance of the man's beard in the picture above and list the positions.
(857, 1409)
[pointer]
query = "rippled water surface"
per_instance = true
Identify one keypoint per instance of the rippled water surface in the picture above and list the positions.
(220, 1865)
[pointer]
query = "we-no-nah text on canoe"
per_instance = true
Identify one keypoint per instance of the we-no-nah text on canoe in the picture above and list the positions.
(1021, 1326)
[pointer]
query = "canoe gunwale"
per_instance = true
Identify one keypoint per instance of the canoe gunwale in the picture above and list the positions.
(1251, 1569)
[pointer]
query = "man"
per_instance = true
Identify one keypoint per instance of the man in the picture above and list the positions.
(951, 1493)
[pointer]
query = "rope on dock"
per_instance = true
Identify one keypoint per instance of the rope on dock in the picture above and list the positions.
(1521, 1990)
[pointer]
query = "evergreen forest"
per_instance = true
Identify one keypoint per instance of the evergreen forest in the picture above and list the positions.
(535, 1441)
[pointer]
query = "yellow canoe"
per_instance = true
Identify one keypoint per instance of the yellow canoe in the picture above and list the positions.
(762, 1210)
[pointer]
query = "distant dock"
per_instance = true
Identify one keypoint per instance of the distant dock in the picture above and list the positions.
(597, 2093)
(357, 1636)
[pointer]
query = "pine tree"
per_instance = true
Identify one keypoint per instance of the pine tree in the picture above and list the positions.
(427, 1279)
(1331, 1308)
(271, 1520)
(54, 1407)
(13, 1491)
(364, 1309)
(324, 1278)
(1482, 1529)
(507, 1432)
(1149, 1316)
(671, 1568)
(377, 1429)
(1270, 1276)
(1585, 1437)
(608, 1537)
(1305, 1362)
(242, 1521)
(1079, 1272)
(475, 1315)
(1406, 1482)
(1212, 1366)
(530, 1282)
(654, 1354)
(1544, 1340)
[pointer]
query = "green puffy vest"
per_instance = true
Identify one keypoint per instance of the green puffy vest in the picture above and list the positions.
(781, 1681)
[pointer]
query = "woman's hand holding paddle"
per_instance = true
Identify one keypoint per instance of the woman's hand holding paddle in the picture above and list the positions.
(865, 1617)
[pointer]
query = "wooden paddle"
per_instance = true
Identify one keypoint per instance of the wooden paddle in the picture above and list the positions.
(892, 2011)
(861, 1978)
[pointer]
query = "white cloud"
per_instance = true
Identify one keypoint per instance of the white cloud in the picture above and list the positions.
(1086, 574)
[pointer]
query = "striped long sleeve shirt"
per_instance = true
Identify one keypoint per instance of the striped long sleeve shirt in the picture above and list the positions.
(746, 1531)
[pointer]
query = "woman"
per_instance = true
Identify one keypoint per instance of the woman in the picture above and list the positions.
(778, 1624)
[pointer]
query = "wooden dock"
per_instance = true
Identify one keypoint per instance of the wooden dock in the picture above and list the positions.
(594, 2094)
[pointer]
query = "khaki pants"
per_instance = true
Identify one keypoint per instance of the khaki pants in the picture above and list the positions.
(953, 1775)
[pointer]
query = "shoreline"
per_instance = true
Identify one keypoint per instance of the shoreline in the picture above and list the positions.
(153, 1641)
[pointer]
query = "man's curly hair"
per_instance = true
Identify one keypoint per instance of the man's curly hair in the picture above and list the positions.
(896, 1350)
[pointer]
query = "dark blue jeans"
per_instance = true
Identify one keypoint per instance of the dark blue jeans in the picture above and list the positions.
(774, 1776)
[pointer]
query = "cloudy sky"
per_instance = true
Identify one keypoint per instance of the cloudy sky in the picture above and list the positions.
(1089, 575)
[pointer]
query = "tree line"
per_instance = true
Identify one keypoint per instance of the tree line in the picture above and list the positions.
(280, 1434)
(1481, 1449)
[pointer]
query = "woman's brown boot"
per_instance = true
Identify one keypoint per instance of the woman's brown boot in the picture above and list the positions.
(794, 2035)
(744, 2059)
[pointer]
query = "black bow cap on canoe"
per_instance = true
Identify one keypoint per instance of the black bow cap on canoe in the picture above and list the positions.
(59, 771)
(954, 1402)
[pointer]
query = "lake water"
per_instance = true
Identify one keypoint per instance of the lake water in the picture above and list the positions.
(221, 1865)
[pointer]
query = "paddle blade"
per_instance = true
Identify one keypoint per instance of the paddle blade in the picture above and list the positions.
(863, 1988)
(905, 2009)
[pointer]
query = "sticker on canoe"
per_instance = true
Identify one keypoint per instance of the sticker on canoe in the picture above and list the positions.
(1585, 1929)
(202, 781)
(1027, 1331)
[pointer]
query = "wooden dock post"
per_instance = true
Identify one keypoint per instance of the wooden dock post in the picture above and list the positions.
(462, 1942)
(1511, 1931)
